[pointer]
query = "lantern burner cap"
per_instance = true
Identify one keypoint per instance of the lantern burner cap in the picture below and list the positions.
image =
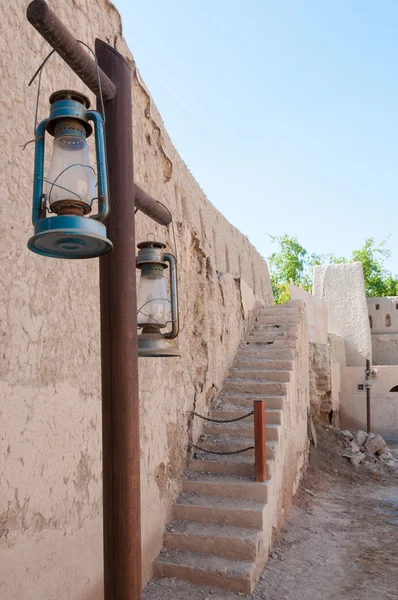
(150, 253)
(151, 244)
(67, 105)
(70, 95)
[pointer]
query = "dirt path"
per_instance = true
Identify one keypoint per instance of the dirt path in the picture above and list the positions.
(340, 540)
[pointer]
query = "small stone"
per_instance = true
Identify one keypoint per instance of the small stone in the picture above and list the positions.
(347, 434)
(357, 459)
(354, 447)
(361, 437)
(375, 445)
(384, 457)
(262, 577)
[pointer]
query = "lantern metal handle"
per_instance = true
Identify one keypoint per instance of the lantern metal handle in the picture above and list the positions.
(100, 155)
(37, 206)
(174, 296)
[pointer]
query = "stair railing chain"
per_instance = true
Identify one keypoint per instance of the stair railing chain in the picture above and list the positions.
(192, 412)
(223, 453)
(222, 421)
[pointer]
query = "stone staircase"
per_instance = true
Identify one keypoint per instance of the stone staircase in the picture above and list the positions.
(223, 521)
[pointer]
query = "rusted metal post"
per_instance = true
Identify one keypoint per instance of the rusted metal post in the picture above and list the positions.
(46, 22)
(151, 207)
(368, 380)
(260, 441)
(119, 359)
(120, 402)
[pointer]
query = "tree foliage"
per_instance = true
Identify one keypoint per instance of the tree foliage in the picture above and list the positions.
(292, 262)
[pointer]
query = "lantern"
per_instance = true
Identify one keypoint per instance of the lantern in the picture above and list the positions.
(154, 309)
(69, 189)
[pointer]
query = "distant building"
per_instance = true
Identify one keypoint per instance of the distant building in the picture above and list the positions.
(383, 321)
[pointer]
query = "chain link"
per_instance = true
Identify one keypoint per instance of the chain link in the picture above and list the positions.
(223, 453)
(222, 420)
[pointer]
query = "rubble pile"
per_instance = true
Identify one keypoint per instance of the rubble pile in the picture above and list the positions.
(361, 447)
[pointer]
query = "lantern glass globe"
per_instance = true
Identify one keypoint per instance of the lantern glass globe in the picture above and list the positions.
(70, 176)
(153, 306)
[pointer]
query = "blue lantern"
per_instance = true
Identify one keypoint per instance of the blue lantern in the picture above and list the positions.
(69, 189)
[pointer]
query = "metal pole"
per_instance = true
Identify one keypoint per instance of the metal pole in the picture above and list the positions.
(120, 401)
(367, 396)
(151, 207)
(260, 450)
(47, 23)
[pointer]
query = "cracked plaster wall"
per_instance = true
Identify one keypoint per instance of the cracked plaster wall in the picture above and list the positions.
(50, 444)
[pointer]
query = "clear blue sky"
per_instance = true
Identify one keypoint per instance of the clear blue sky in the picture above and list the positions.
(284, 111)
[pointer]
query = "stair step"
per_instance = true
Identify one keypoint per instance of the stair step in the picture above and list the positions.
(235, 464)
(206, 570)
(278, 329)
(273, 311)
(269, 375)
(273, 416)
(259, 352)
(241, 429)
(262, 342)
(272, 334)
(263, 364)
(222, 540)
(219, 509)
(232, 398)
(225, 443)
(281, 320)
(233, 487)
(268, 388)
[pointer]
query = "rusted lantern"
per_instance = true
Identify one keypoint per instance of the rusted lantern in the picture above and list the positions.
(70, 188)
(155, 310)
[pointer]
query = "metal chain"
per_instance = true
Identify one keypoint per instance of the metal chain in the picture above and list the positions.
(223, 453)
(222, 420)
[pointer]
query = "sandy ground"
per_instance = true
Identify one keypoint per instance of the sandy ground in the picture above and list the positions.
(340, 540)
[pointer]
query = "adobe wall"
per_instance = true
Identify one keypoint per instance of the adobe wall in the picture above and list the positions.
(384, 404)
(383, 315)
(50, 446)
(316, 314)
(383, 320)
(325, 356)
(342, 285)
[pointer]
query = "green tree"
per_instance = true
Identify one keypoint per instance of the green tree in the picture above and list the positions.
(293, 263)
(378, 281)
